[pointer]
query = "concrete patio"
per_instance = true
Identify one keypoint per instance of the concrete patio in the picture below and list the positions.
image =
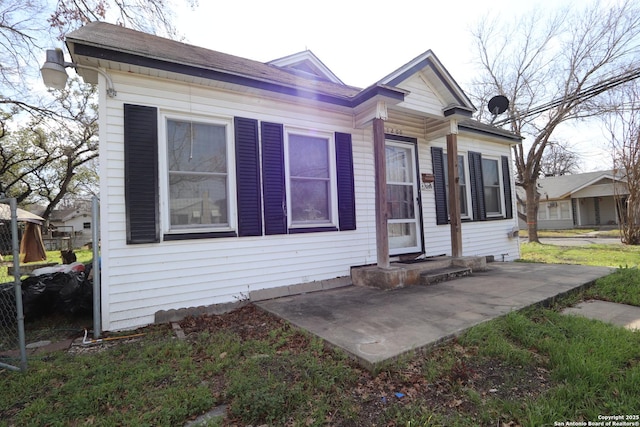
(375, 325)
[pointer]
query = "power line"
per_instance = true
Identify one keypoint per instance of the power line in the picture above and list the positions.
(583, 95)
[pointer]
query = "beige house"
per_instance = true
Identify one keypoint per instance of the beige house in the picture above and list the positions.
(580, 200)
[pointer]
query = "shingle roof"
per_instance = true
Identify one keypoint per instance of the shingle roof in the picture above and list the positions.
(121, 39)
(557, 187)
(112, 40)
(476, 126)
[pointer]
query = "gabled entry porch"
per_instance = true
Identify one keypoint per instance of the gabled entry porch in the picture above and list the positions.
(398, 197)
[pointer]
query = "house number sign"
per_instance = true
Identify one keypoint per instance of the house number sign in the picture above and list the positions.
(393, 131)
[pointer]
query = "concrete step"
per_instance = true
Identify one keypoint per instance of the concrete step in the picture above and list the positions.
(431, 277)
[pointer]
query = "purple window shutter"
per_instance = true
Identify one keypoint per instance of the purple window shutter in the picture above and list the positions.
(506, 180)
(141, 191)
(273, 184)
(346, 191)
(442, 215)
(477, 186)
(248, 177)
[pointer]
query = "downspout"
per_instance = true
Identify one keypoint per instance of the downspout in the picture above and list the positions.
(95, 236)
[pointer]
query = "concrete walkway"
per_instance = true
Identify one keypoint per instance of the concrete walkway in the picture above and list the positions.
(375, 325)
(627, 316)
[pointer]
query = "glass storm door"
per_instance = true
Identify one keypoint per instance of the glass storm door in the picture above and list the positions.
(402, 199)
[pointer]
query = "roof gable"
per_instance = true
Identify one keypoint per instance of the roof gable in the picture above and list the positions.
(436, 79)
(306, 64)
(560, 187)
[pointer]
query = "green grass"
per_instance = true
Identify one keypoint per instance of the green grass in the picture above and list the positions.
(82, 255)
(593, 366)
(597, 255)
(623, 286)
(534, 367)
(573, 232)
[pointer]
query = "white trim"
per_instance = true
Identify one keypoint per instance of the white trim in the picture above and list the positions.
(163, 169)
(306, 56)
(333, 181)
(501, 213)
(416, 206)
(467, 184)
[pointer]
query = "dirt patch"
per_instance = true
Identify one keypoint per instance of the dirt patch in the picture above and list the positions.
(248, 322)
(462, 388)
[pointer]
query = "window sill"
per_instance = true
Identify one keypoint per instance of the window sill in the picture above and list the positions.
(300, 230)
(202, 235)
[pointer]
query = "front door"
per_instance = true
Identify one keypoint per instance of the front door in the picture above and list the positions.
(402, 198)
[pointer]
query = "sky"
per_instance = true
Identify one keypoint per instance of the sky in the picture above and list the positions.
(362, 41)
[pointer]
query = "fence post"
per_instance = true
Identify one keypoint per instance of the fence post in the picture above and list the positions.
(17, 283)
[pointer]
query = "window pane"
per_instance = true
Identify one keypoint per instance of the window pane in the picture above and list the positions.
(309, 200)
(309, 174)
(490, 172)
(197, 162)
(308, 156)
(491, 181)
(399, 167)
(542, 211)
(463, 179)
(196, 147)
(197, 199)
(402, 235)
(492, 200)
(463, 201)
(400, 201)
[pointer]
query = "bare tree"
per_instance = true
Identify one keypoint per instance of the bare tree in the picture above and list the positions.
(48, 141)
(40, 162)
(563, 62)
(150, 16)
(558, 159)
(623, 126)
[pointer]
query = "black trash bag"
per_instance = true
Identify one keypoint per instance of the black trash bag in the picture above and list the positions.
(33, 297)
(76, 296)
(33, 303)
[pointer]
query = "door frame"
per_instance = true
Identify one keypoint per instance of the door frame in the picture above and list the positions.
(418, 211)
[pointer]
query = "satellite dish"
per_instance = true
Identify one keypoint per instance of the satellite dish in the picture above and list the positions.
(498, 105)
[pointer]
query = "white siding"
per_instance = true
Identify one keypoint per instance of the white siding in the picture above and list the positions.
(479, 238)
(421, 96)
(139, 280)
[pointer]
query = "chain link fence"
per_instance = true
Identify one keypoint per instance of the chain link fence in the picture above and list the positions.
(12, 337)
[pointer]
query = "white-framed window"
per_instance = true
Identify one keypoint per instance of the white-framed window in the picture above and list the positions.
(462, 173)
(555, 210)
(310, 179)
(198, 187)
(542, 211)
(492, 183)
(565, 210)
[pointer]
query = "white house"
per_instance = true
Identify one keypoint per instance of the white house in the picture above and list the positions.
(579, 200)
(72, 223)
(221, 175)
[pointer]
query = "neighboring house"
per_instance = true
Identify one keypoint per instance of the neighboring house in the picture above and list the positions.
(69, 227)
(221, 175)
(580, 200)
